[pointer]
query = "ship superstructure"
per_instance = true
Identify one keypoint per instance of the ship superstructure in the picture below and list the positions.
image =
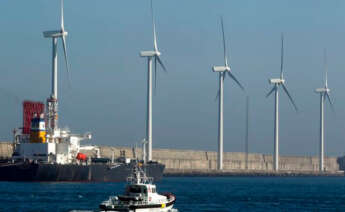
(34, 144)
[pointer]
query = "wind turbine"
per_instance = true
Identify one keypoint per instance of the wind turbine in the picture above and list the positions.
(222, 70)
(52, 102)
(150, 55)
(324, 92)
(277, 82)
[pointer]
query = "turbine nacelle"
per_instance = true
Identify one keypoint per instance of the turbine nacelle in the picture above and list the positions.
(55, 34)
(220, 68)
(149, 53)
(276, 81)
(322, 90)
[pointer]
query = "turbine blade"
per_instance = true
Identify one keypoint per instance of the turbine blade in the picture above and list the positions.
(161, 63)
(330, 101)
(271, 91)
(217, 96)
(154, 29)
(224, 44)
(234, 78)
(282, 57)
(62, 19)
(155, 75)
(326, 66)
(66, 60)
(288, 94)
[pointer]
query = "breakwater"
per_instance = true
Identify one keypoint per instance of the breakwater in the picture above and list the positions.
(204, 163)
(6, 150)
(194, 163)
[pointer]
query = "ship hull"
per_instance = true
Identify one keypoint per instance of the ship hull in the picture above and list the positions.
(74, 172)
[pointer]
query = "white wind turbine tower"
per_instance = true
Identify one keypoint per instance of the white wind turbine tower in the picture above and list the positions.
(52, 102)
(222, 70)
(277, 82)
(247, 132)
(151, 55)
(324, 92)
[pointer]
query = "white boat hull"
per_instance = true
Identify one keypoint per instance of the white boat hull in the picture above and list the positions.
(166, 209)
(158, 207)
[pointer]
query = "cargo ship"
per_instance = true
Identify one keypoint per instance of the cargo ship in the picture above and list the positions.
(45, 152)
(40, 156)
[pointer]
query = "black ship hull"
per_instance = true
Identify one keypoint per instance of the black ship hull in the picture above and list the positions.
(73, 172)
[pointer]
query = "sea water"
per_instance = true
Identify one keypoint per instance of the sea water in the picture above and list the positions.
(192, 194)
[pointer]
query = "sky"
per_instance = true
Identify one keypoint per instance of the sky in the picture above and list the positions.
(107, 95)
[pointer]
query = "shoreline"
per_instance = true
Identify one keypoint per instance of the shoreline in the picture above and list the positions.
(248, 173)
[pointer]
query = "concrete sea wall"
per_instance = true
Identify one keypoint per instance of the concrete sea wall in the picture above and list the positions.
(6, 150)
(207, 160)
(187, 160)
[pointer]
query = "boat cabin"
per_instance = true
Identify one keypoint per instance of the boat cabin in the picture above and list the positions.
(140, 192)
(143, 189)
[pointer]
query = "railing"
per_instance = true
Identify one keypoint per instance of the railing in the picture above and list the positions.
(142, 179)
(130, 202)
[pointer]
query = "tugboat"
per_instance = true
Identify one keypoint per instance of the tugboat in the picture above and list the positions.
(140, 195)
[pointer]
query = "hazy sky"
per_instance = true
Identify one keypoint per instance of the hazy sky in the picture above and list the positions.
(108, 92)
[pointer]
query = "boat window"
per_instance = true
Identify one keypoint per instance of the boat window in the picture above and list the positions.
(135, 189)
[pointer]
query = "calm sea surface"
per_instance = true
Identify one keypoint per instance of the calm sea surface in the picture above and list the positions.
(193, 194)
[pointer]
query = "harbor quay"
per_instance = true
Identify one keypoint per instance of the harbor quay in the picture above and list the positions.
(204, 163)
